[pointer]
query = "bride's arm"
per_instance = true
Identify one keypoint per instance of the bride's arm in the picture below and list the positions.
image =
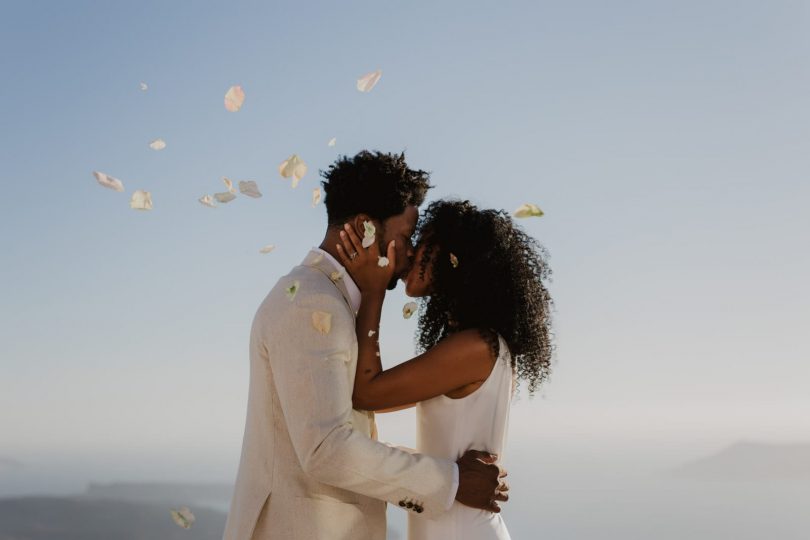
(458, 360)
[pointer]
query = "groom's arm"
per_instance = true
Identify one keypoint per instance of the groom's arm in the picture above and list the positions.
(311, 373)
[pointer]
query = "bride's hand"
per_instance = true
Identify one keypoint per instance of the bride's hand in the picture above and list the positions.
(370, 272)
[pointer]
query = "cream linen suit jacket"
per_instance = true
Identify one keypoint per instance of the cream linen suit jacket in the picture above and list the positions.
(311, 468)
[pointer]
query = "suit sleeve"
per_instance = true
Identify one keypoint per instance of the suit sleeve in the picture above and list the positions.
(311, 373)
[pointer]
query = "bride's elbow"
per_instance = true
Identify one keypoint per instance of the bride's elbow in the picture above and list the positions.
(363, 402)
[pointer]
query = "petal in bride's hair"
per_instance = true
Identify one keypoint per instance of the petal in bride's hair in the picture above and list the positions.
(454, 260)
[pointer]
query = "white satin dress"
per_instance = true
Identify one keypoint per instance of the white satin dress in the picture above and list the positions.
(449, 427)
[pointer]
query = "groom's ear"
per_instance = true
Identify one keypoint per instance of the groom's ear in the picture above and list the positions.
(357, 223)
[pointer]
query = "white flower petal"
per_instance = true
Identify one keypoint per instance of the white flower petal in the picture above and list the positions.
(369, 230)
(454, 261)
(143, 86)
(322, 321)
(234, 98)
(183, 517)
(207, 200)
(332, 142)
(316, 197)
(229, 184)
(368, 81)
(337, 275)
(268, 248)
(157, 144)
(292, 290)
(371, 333)
(249, 188)
(528, 210)
(293, 167)
(108, 181)
(141, 200)
(409, 309)
(382, 262)
(224, 196)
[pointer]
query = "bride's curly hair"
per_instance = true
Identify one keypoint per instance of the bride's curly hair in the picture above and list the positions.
(487, 274)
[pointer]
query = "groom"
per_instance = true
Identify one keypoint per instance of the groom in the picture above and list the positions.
(311, 466)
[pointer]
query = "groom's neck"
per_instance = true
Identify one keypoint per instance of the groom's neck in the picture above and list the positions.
(330, 242)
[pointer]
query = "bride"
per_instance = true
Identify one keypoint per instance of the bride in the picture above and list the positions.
(484, 324)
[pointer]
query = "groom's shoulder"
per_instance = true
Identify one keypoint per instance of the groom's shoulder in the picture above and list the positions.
(303, 286)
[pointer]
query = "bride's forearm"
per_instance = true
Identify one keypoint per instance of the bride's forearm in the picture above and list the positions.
(369, 364)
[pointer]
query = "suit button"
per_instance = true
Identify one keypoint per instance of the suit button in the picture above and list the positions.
(409, 505)
(402, 503)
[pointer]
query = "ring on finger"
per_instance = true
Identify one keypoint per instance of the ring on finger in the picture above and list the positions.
(353, 255)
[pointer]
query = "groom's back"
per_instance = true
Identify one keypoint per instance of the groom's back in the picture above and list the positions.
(274, 496)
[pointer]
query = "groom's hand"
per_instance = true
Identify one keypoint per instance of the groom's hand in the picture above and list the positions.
(480, 483)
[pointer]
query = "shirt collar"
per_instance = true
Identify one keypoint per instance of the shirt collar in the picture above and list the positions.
(351, 286)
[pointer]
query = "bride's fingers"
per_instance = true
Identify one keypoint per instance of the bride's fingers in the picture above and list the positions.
(357, 244)
(392, 253)
(348, 247)
(344, 258)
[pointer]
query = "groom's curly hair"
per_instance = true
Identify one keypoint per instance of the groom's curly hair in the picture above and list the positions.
(487, 274)
(374, 183)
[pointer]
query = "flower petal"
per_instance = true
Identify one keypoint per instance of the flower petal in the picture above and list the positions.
(229, 184)
(322, 321)
(183, 517)
(143, 86)
(293, 167)
(382, 262)
(234, 98)
(267, 249)
(409, 309)
(292, 290)
(157, 144)
(141, 200)
(371, 333)
(369, 230)
(528, 210)
(207, 200)
(454, 260)
(368, 81)
(249, 188)
(337, 275)
(224, 196)
(332, 142)
(108, 181)
(316, 197)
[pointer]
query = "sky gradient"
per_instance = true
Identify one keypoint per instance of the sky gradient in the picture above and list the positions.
(667, 142)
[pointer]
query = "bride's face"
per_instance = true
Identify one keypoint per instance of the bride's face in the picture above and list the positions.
(415, 285)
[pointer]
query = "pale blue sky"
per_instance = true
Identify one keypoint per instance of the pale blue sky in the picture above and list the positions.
(668, 143)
